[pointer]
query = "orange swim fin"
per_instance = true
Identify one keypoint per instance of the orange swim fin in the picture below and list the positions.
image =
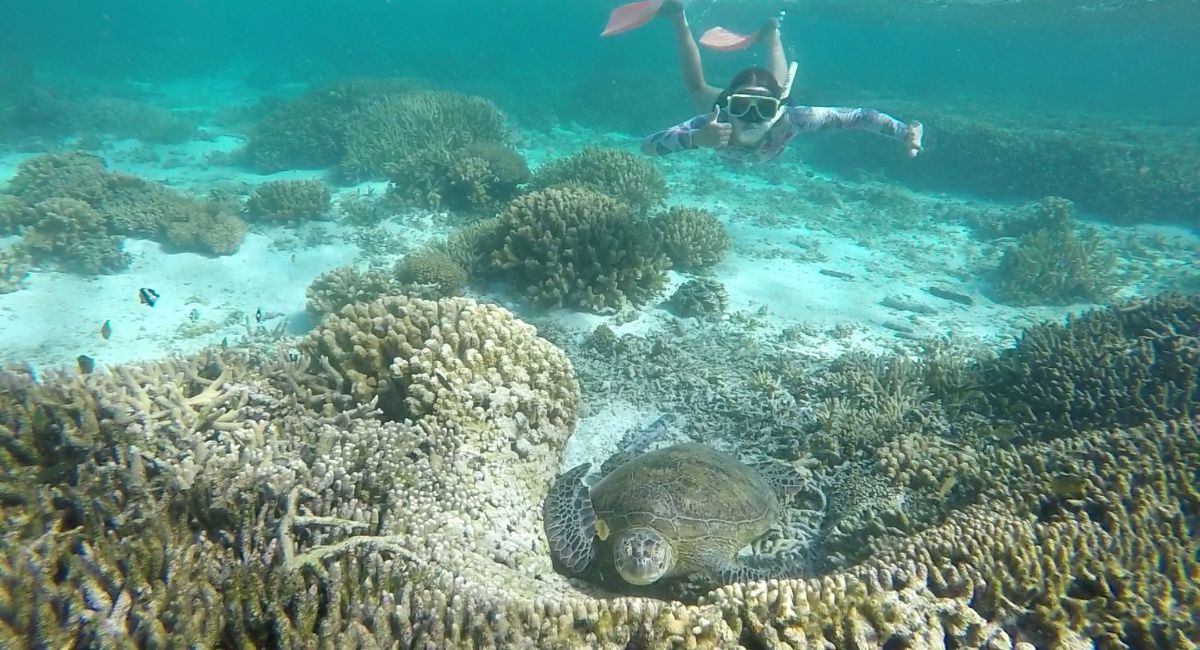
(631, 16)
(723, 40)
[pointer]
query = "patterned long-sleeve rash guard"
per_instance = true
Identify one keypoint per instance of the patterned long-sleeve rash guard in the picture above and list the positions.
(796, 120)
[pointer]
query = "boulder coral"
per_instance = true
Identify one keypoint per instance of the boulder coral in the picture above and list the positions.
(230, 499)
(575, 246)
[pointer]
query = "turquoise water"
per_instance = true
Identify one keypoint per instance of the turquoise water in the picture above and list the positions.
(334, 325)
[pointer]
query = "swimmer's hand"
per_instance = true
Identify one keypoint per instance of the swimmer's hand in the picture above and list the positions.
(913, 133)
(714, 134)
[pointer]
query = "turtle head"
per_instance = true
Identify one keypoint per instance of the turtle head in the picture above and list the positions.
(642, 556)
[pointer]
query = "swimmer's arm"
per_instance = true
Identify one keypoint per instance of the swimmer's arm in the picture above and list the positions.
(821, 118)
(675, 139)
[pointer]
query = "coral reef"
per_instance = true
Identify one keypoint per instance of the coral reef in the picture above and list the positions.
(395, 127)
(1057, 263)
(469, 246)
(619, 174)
(383, 350)
(13, 215)
(70, 234)
(205, 226)
(699, 298)
(236, 500)
(310, 131)
(479, 177)
(575, 246)
(345, 285)
(434, 269)
(1118, 170)
(692, 238)
(289, 201)
(128, 206)
(1124, 366)
(54, 112)
(14, 267)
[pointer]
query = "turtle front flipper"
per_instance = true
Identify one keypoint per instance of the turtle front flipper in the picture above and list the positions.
(570, 521)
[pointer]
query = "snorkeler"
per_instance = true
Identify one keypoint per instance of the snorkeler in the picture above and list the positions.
(753, 119)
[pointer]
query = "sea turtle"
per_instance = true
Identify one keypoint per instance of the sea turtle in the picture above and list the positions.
(679, 512)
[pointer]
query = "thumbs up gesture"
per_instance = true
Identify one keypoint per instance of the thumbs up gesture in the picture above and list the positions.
(713, 134)
(913, 133)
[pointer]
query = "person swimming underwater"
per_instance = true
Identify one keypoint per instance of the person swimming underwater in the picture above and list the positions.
(753, 118)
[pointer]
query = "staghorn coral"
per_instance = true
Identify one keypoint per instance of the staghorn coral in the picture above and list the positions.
(309, 131)
(619, 174)
(468, 246)
(1121, 366)
(479, 177)
(1058, 263)
(575, 246)
(692, 237)
(395, 127)
(434, 269)
(291, 201)
(700, 298)
(345, 285)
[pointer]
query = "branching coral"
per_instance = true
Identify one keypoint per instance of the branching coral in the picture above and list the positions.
(477, 178)
(268, 513)
(693, 238)
(1121, 366)
(435, 269)
(1057, 263)
(310, 131)
(575, 246)
(345, 285)
(619, 174)
(395, 127)
(410, 354)
(14, 267)
(293, 200)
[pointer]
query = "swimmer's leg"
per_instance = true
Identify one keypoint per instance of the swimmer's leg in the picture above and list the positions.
(776, 58)
(703, 95)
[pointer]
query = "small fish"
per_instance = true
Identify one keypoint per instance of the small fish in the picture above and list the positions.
(194, 315)
(86, 364)
(147, 296)
(258, 315)
(106, 329)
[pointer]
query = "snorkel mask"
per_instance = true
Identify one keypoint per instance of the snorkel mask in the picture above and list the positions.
(757, 112)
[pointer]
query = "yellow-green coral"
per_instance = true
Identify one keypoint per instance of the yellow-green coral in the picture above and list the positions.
(205, 226)
(619, 174)
(292, 200)
(435, 269)
(344, 285)
(246, 493)
(477, 178)
(395, 127)
(693, 238)
(575, 246)
(1058, 263)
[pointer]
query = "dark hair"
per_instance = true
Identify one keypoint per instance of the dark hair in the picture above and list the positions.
(748, 77)
(755, 77)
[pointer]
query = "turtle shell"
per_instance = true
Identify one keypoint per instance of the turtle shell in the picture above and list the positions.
(706, 503)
